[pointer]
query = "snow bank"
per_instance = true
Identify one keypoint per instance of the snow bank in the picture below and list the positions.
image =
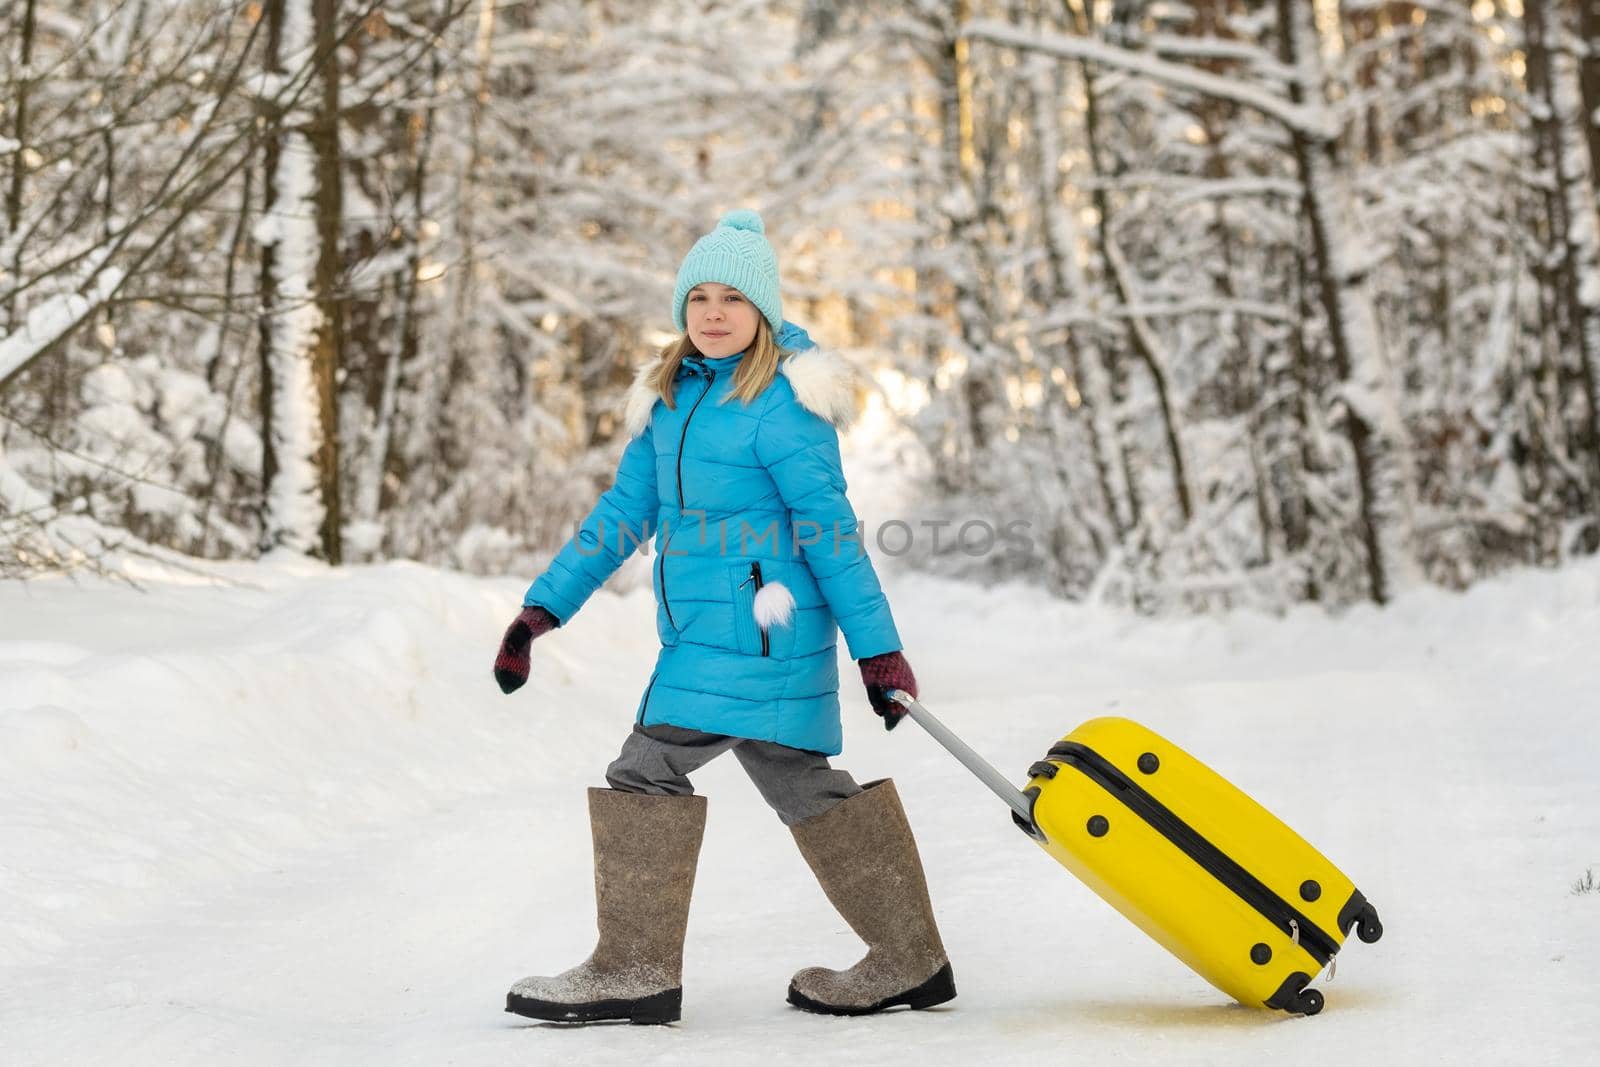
(186, 735)
(284, 816)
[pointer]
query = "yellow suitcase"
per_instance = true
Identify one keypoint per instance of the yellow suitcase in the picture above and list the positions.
(1207, 872)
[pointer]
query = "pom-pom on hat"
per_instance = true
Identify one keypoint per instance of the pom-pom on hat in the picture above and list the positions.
(736, 254)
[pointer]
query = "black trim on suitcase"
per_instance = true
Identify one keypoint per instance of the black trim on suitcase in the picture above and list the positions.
(1028, 826)
(1293, 996)
(1288, 919)
(1363, 916)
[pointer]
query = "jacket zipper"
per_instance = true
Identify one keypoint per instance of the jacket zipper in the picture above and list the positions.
(661, 564)
(755, 576)
(1189, 841)
(661, 568)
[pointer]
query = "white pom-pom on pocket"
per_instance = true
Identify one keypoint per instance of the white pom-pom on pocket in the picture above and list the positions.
(774, 604)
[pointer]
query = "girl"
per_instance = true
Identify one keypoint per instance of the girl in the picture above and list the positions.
(735, 455)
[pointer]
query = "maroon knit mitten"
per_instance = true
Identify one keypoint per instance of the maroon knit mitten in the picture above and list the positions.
(881, 674)
(511, 662)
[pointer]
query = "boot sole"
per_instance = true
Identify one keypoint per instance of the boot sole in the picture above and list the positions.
(654, 1010)
(936, 990)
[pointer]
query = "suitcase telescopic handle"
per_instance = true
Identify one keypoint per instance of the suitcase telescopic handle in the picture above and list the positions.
(1016, 799)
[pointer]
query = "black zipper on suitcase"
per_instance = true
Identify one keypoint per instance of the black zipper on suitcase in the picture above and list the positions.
(1285, 916)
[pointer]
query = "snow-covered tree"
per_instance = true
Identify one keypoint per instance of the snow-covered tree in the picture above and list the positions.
(1232, 301)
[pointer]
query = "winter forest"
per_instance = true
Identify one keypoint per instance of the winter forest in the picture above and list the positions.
(1229, 367)
(1232, 302)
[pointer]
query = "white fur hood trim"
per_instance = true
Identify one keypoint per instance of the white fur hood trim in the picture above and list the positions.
(642, 397)
(823, 382)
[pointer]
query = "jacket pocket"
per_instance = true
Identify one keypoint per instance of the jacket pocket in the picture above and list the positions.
(747, 580)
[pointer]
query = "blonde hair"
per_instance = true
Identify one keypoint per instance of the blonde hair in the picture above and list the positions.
(750, 378)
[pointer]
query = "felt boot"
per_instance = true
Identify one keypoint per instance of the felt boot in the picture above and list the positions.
(645, 852)
(865, 858)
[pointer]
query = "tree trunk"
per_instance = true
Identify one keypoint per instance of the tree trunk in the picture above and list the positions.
(1373, 420)
(215, 448)
(1117, 388)
(19, 134)
(1117, 275)
(970, 280)
(1574, 225)
(1296, 375)
(1589, 71)
(385, 461)
(327, 358)
(457, 371)
(1247, 392)
(1246, 388)
(1066, 282)
(294, 512)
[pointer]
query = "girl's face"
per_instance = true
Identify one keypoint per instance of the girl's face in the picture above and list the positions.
(721, 321)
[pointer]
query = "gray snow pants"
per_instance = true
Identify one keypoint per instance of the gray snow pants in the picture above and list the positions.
(796, 783)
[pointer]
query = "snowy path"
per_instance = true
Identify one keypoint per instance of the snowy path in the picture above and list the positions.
(294, 823)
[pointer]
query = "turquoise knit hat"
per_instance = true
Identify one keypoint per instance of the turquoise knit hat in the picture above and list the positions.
(737, 254)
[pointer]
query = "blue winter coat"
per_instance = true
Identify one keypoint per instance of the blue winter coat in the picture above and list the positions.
(739, 497)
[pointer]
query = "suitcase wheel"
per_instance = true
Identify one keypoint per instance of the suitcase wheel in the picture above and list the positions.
(1308, 1003)
(1294, 998)
(1359, 915)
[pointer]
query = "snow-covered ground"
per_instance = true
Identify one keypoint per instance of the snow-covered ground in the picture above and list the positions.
(283, 815)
